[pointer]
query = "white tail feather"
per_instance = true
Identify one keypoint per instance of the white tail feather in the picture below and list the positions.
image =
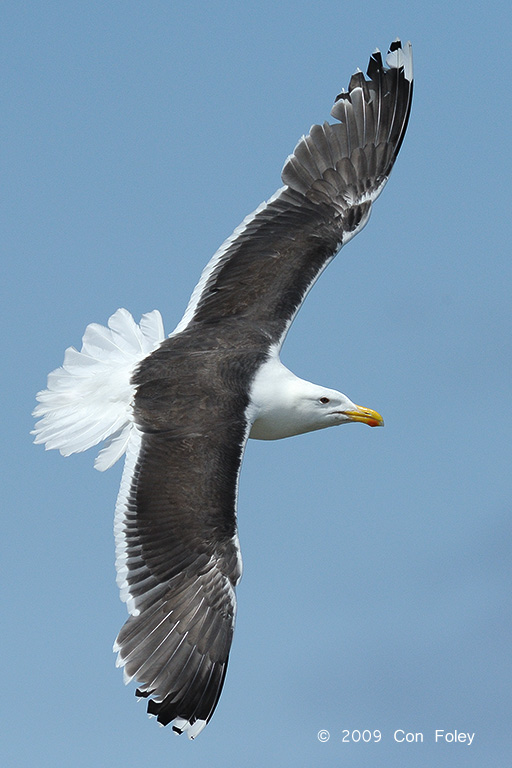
(89, 399)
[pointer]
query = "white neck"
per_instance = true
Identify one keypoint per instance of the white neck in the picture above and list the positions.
(278, 399)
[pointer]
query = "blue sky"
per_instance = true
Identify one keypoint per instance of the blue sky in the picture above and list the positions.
(135, 138)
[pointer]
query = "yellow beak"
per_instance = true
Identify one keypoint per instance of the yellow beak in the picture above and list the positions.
(366, 415)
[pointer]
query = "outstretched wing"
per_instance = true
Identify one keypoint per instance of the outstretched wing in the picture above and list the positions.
(177, 548)
(263, 272)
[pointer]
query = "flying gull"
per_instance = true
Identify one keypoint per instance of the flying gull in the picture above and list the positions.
(182, 407)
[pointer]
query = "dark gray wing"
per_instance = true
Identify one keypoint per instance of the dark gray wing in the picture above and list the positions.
(178, 558)
(263, 272)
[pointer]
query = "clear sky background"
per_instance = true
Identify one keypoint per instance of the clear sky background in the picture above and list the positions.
(135, 137)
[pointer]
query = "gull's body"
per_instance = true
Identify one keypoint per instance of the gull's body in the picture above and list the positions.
(182, 408)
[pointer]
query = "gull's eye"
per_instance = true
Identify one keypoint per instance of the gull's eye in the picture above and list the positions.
(324, 400)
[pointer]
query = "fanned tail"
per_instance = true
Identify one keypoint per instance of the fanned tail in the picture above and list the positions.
(89, 398)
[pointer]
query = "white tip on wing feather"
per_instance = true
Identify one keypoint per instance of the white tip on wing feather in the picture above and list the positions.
(89, 398)
(180, 725)
(401, 57)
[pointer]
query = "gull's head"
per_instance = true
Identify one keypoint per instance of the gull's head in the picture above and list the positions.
(322, 407)
(286, 405)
